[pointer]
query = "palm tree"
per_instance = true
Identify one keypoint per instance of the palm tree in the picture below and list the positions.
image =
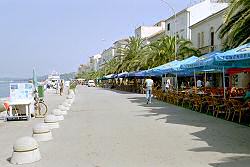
(163, 50)
(111, 66)
(235, 30)
(137, 56)
(132, 55)
(186, 49)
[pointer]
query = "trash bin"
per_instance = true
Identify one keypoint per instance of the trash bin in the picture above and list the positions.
(40, 91)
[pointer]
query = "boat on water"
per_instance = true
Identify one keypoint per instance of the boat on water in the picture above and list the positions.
(53, 80)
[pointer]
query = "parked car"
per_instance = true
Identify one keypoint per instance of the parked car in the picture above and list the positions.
(91, 83)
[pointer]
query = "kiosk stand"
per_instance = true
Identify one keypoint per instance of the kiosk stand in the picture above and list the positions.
(21, 101)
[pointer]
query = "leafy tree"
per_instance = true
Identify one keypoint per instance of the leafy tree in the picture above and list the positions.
(132, 54)
(236, 29)
(163, 50)
(137, 56)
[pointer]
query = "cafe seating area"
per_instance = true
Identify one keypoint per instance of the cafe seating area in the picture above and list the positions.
(209, 101)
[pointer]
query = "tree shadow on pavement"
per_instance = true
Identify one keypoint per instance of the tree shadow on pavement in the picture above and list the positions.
(220, 135)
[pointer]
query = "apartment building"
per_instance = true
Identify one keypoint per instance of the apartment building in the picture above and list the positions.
(180, 25)
(113, 52)
(118, 45)
(106, 56)
(94, 62)
(205, 33)
(83, 68)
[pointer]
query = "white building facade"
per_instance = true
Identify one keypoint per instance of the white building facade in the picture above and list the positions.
(83, 68)
(112, 52)
(205, 34)
(192, 15)
(118, 45)
(106, 56)
(147, 31)
(94, 62)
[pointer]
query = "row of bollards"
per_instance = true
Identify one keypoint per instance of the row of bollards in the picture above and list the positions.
(26, 149)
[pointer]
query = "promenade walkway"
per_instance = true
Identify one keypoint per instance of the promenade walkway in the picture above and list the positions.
(107, 128)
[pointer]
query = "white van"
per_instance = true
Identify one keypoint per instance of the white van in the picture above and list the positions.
(91, 83)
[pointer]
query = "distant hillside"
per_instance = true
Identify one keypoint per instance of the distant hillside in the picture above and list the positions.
(66, 77)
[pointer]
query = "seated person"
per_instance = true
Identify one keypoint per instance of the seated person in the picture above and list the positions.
(233, 92)
(207, 84)
(199, 84)
(247, 95)
(182, 85)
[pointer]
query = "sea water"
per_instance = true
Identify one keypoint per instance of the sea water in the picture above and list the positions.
(4, 89)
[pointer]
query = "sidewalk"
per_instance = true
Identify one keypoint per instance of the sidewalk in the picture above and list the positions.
(108, 128)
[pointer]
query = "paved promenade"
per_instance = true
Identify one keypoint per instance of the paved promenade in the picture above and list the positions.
(108, 128)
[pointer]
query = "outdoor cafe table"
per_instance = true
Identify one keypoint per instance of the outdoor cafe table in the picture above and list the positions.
(240, 98)
(237, 97)
(217, 96)
(201, 93)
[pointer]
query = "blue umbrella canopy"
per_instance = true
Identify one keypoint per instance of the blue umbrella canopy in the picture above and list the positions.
(177, 67)
(138, 74)
(235, 58)
(110, 76)
(122, 75)
(159, 70)
(202, 63)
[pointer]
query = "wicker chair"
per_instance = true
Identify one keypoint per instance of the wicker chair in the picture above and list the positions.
(186, 99)
(211, 103)
(238, 109)
(197, 100)
(222, 107)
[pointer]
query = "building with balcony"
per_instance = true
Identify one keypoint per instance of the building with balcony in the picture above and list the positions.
(118, 46)
(113, 52)
(94, 62)
(106, 56)
(205, 34)
(83, 68)
(180, 26)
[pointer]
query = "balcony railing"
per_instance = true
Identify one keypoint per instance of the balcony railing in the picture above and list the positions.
(208, 49)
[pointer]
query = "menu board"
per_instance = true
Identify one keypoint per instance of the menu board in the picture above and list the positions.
(21, 91)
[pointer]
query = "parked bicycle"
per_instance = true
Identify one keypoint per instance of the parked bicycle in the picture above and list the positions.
(41, 108)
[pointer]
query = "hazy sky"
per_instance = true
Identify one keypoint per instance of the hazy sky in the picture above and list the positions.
(61, 34)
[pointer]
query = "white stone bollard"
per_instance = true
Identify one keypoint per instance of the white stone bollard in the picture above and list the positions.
(63, 108)
(25, 150)
(71, 91)
(64, 112)
(51, 121)
(69, 101)
(42, 132)
(66, 104)
(59, 114)
(70, 96)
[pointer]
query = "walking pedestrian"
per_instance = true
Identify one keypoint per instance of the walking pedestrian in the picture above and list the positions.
(149, 84)
(168, 84)
(61, 87)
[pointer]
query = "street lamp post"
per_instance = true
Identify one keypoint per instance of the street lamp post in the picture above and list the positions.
(105, 61)
(175, 40)
(104, 66)
(175, 36)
